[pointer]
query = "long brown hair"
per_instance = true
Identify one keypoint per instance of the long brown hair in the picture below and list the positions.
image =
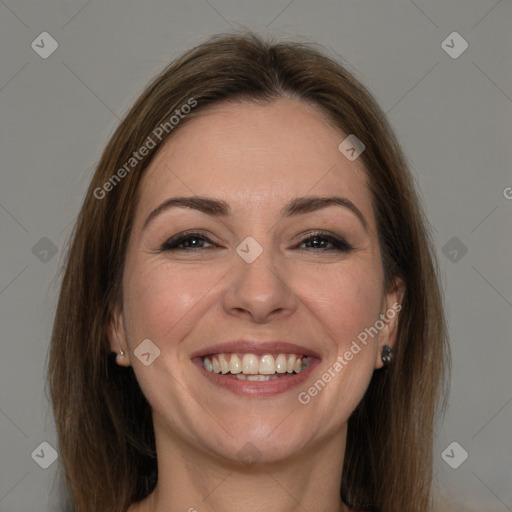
(103, 421)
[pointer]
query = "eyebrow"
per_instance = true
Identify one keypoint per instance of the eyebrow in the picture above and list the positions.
(219, 208)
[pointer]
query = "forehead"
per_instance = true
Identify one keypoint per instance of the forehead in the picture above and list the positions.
(254, 154)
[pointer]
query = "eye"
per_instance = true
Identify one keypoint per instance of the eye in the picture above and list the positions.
(191, 241)
(186, 242)
(325, 242)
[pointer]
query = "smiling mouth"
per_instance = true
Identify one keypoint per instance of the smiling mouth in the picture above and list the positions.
(254, 367)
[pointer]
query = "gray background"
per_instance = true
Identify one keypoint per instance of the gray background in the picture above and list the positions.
(453, 117)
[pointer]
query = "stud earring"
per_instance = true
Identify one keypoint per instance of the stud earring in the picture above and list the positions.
(387, 355)
(121, 353)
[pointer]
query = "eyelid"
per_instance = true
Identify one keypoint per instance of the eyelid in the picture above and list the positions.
(319, 232)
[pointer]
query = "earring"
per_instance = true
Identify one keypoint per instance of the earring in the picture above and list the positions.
(121, 354)
(387, 354)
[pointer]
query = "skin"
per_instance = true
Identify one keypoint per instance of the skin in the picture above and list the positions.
(256, 157)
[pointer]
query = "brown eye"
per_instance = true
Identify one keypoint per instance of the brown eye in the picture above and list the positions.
(324, 242)
(187, 241)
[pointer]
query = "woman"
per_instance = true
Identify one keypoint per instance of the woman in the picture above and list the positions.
(250, 316)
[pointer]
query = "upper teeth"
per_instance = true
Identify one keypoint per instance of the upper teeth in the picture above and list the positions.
(251, 364)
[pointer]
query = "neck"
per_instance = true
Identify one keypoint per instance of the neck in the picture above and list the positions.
(191, 481)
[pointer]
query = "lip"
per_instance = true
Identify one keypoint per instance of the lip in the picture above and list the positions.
(255, 347)
(256, 389)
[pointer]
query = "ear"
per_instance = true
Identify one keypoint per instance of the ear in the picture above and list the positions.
(390, 311)
(117, 337)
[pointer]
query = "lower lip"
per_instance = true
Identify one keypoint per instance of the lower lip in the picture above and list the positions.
(258, 389)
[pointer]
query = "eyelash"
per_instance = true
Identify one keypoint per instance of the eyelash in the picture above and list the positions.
(172, 244)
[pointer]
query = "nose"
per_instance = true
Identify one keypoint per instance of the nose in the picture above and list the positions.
(259, 291)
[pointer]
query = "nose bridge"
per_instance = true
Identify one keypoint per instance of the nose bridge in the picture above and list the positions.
(259, 286)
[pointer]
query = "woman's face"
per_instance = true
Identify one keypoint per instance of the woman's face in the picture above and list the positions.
(267, 281)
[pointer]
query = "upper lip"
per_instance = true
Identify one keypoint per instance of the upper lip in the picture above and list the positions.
(255, 347)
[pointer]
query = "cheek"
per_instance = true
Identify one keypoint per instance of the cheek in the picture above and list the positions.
(345, 306)
(164, 304)
(346, 301)
(160, 302)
